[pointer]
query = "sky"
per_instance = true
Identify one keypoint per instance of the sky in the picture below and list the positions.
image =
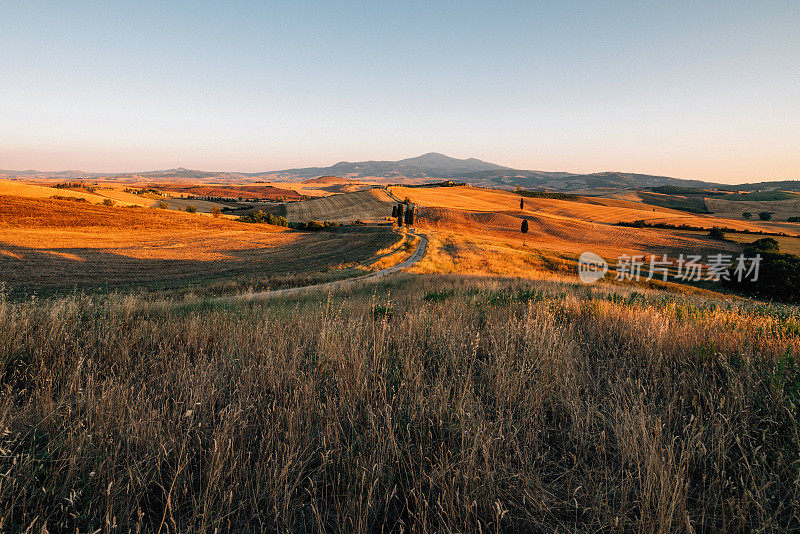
(705, 90)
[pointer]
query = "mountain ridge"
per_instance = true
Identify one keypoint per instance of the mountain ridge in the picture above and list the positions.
(431, 166)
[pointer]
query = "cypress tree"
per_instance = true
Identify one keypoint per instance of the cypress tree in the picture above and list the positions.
(394, 211)
(400, 215)
(410, 216)
(522, 203)
(524, 230)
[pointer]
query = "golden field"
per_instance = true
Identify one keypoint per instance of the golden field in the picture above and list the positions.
(477, 231)
(423, 402)
(48, 243)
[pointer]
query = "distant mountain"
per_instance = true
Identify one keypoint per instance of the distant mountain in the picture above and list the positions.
(427, 167)
(439, 162)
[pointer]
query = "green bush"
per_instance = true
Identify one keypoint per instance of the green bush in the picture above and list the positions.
(716, 233)
(108, 202)
(747, 215)
(261, 217)
(191, 209)
(765, 215)
(162, 205)
(793, 219)
(277, 220)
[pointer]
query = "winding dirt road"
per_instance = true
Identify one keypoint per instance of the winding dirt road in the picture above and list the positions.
(415, 257)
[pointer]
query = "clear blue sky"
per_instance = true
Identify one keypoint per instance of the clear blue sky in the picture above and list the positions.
(689, 89)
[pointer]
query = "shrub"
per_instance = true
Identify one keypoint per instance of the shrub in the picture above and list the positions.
(716, 233)
(216, 213)
(320, 225)
(277, 220)
(108, 202)
(793, 219)
(261, 217)
(747, 215)
(766, 244)
(765, 215)
(163, 205)
(191, 209)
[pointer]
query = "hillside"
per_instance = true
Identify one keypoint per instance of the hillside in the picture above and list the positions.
(48, 244)
(372, 205)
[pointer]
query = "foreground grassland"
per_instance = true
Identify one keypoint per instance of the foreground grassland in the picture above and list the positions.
(425, 403)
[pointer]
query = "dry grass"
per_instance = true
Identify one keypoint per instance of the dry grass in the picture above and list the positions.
(433, 405)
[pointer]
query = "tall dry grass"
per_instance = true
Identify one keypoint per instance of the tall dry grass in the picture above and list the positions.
(434, 404)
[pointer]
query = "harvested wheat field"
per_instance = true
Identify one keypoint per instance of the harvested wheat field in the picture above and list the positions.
(372, 205)
(47, 244)
(484, 237)
(589, 209)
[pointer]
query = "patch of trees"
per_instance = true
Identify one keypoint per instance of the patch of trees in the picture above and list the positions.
(778, 275)
(793, 219)
(765, 215)
(265, 218)
(75, 185)
(259, 217)
(446, 183)
(678, 190)
(547, 194)
(666, 226)
(314, 225)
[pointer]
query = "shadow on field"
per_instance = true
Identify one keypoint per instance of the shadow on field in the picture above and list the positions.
(45, 269)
